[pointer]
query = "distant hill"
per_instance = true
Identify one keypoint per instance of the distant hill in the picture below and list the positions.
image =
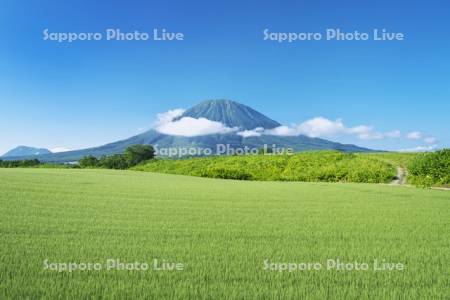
(230, 113)
(26, 151)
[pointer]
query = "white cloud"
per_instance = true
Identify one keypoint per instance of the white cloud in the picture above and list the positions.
(415, 135)
(315, 127)
(420, 149)
(59, 149)
(189, 127)
(430, 140)
(322, 127)
(365, 132)
(249, 133)
(283, 131)
(393, 134)
(168, 116)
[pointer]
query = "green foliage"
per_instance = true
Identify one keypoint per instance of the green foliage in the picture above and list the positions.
(35, 163)
(337, 167)
(226, 173)
(394, 158)
(429, 169)
(19, 163)
(133, 156)
(329, 166)
(223, 231)
(136, 154)
(115, 161)
(57, 166)
(89, 161)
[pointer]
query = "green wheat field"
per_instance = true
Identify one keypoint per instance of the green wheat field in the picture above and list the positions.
(222, 231)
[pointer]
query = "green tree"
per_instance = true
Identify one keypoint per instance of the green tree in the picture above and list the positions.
(136, 154)
(89, 161)
(29, 162)
(19, 163)
(116, 161)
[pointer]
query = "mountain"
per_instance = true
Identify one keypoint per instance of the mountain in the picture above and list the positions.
(26, 151)
(230, 113)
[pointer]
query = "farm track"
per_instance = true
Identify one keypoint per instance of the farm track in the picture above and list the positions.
(400, 178)
(402, 174)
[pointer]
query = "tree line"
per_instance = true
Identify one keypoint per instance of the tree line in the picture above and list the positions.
(132, 156)
(19, 163)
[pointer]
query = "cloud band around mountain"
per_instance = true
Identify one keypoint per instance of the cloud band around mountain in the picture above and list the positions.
(170, 123)
(322, 127)
(187, 126)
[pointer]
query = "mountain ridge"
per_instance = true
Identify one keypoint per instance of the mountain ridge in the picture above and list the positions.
(230, 113)
(20, 151)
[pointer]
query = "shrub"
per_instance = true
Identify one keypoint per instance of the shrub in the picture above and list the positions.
(330, 166)
(430, 169)
(226, 173)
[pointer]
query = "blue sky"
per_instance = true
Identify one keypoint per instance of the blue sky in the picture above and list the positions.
(82, 94)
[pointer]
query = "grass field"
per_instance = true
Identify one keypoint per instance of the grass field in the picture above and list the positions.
(222, 230)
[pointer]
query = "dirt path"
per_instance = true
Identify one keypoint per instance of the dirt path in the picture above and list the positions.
(400, 179)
